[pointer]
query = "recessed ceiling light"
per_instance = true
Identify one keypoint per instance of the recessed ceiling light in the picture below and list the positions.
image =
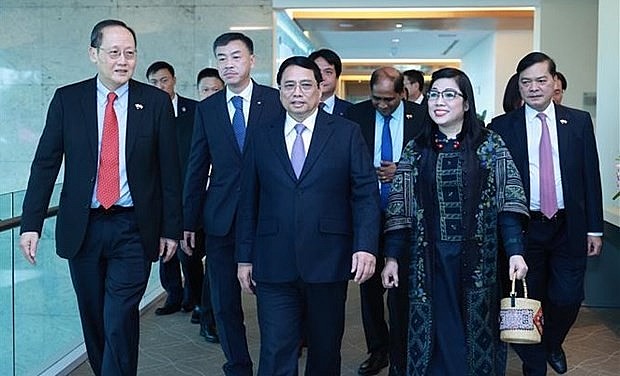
(398, 25)
(395, 40)
(346, 25)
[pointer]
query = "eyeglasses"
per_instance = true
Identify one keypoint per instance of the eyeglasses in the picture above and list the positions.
(115, 53)
(305, 86)
(448, 95)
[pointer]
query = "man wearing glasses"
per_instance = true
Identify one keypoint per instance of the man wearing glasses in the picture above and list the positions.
(120, 205)
(388, 122)
(306, 225)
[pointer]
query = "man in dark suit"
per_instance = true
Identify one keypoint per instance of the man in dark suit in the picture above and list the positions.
(414, 85)
(120, 206)
(386, 107)
(306, 221)
(161, 75)
(555, 151)
(331, 67)
(223, 124)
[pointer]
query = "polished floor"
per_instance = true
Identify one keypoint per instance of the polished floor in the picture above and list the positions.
(170, 345)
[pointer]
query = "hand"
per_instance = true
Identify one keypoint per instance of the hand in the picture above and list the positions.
(244, 274)
(517, 266)
(386, 171)
(389, 275)
(363, 265)
(595, 244)
(28, 242)
(167, 248)
(188, 242)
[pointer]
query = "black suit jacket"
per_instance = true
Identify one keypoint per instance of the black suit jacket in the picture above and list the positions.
(214, 146)
(579, 166)
(340, 106)
(307, 228)
(70, 134)
(364, 113)
(184, 126)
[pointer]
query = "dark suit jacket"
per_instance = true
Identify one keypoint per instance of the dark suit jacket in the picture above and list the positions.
(214, 144)
(307, 228)
(579, 166)
(340, 106)
(184, 126)
(364, 114)
(71, 134)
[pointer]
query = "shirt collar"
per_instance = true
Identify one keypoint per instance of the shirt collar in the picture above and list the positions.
(246, 93)
(289, 124)
(397, 115)
(120, 91)
(330, 102)
(530, 113)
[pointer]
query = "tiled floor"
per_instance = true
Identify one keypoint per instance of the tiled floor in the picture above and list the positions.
(170, 345)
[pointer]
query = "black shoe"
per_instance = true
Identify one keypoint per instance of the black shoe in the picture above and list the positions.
(195, 316)
(374, 364)
(187, 307)
(209, 333)
(167, 309)
(557, 360)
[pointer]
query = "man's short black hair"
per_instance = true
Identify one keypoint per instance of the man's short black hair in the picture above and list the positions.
(562, 79)
(330, 56)
(158, 65)
(414, 75)
(97, 34)
(226, 38)
(300, 61)
(535, 58)
(208, 72)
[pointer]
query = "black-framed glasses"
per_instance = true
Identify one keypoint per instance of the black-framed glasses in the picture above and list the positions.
(447, 95)
(115, 53)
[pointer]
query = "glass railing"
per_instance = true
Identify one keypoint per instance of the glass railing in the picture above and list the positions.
(40, 329)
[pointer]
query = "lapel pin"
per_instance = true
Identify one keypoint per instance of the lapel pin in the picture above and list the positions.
(408, 116)
(259, 102)
(183, 109)
(563, 121)
(139, 106)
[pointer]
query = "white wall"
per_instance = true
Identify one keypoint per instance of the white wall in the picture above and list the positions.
(479, 64)
(510, 47)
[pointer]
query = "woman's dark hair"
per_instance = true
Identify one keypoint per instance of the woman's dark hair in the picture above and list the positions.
(512, 96)
(472, 128)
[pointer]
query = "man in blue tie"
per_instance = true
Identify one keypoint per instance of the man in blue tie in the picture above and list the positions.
(307, 223)
(218, 145)
(388, 122)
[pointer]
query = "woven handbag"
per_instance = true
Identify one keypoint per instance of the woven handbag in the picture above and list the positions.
(520, 319)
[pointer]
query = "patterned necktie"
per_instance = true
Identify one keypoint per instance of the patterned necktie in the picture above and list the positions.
(386, 155)
(548, 199)
(298, 153)
(108, 185)
(238, 121)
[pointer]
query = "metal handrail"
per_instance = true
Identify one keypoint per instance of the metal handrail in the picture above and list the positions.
(7, 224)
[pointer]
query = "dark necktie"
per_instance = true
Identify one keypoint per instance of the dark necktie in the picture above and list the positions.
(322, 106)
(298, 152)
(238, 121)
(386, 155)
(108, 180)
(548, 199)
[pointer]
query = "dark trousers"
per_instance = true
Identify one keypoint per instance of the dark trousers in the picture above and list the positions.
(190, 292)
(109, 275)
(285, 311)
(226, 299)
(556, 278)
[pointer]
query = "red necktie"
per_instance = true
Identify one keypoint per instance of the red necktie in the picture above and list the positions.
(108, 184)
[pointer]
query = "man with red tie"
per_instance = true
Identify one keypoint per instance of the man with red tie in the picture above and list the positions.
(120, 205)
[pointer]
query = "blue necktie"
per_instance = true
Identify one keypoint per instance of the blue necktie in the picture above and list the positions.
(386, 155)
(238, 121)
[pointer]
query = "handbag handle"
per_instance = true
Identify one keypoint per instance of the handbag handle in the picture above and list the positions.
(513, 292)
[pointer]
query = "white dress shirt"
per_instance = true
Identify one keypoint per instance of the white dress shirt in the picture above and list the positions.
(397, 130)
(120, 107)
(290, 133)
(329, 104)
(534, 131)
(246, 94)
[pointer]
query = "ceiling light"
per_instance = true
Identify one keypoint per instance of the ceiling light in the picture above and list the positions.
(395, 40)
(249, 28)
(398, 25)
(345, 25)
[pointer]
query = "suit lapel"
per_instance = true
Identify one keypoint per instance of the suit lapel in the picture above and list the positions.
(520, 153)
(221, 109)
(408, 130)
(89, 112)
(135, 105)
(562, 116)
(278, 145)
(368, 127)
(323, 129)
